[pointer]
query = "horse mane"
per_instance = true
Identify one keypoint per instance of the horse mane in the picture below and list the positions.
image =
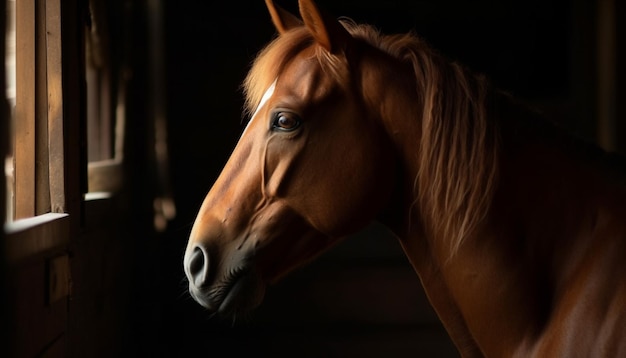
(458, 148)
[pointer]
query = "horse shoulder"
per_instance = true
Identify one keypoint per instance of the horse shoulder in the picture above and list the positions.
(589, 309)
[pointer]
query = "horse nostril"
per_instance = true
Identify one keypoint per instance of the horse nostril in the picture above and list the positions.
(198, 266)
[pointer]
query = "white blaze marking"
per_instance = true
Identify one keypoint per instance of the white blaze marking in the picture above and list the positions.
(266, 96)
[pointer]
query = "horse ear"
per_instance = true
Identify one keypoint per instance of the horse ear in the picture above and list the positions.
(326, 30)
(283, 20)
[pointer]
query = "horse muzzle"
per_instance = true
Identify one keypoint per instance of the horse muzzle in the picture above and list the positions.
(232, 255)
(233, 290)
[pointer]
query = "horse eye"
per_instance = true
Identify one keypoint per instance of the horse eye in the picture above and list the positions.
(286, 121)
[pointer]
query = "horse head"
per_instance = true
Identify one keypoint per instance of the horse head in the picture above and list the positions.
(312, 166)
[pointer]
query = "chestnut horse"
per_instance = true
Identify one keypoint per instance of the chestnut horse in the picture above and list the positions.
(516, 230)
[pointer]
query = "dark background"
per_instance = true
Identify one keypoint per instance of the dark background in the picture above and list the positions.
(362, 299)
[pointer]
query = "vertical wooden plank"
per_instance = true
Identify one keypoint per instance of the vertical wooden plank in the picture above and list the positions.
(106, 127)
(24, 151)
(56, 132)
(99, 119)
(42, 185)
(6, 339)
(93, 95)
(5, 120)
(165, 209)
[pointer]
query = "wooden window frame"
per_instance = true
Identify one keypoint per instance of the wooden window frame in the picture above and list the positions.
(54, 183)
(106, 105)
(49, 173)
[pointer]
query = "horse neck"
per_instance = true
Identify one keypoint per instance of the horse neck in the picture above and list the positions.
(396, 106)
(495, 295)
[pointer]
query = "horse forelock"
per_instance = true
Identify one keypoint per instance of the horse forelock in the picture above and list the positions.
(458, 148)
(269, 63)
(274, 57)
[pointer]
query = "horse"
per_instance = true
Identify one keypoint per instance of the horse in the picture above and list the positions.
(515, 228)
